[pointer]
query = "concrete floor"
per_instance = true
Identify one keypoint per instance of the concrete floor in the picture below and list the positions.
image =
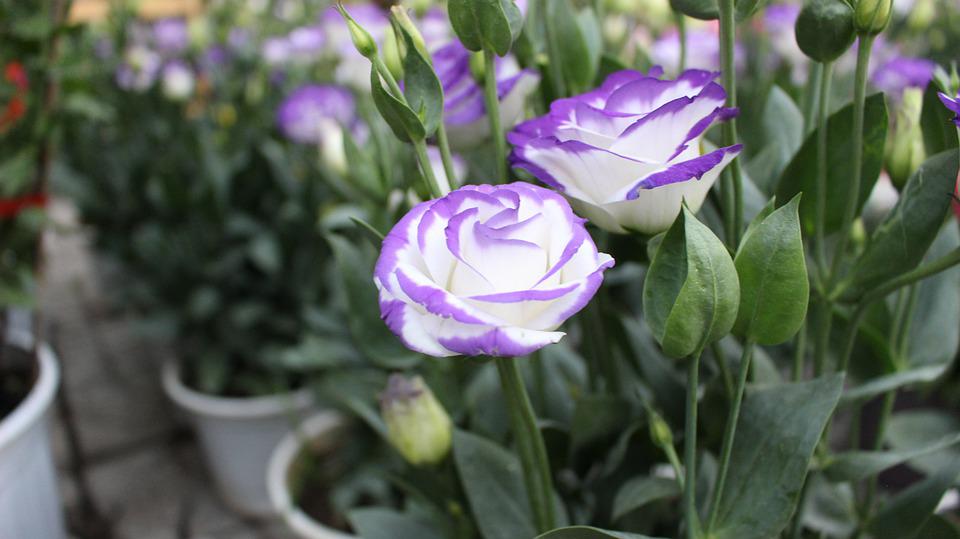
(133, 471)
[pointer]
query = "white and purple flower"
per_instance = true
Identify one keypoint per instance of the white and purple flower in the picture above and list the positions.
(952, 103)
(312, 109)
(629, 152)
(901, 72)
(177, 80)
(139, 69)
(487, 270)
(464, 110)
(171, 36)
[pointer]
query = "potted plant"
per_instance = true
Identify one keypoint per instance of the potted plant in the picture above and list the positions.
(30, 504)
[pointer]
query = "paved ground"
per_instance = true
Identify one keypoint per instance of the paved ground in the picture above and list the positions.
(133, 470)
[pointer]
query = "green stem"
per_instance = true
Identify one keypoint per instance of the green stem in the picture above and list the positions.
(444, 144)
(903, 339)
(674, 461)
(554, 69)
(931, 268)
(728, 36)
(889, 399)
(810, 95)
(682, 36)
(534, 461)
(800, 353)
(820, 248)
(823, 337)
(433, 186)
(492, 102)
(796, 529)
(853, 193)
(721, 360)
(690, 448)
(729, 434)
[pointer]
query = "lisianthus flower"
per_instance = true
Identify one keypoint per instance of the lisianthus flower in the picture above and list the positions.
(139, 69)
(307, 43)
(703, 49)
(465, 112)
(177, 80)
(952, 103)
(171, 36)
(276, 51)
(487, 270)
(309, 110)
(629, 152)
(901, 72)
(778, 24)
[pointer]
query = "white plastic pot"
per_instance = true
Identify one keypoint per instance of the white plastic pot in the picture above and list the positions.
(318, 427)
(237, 436)
(30, 504)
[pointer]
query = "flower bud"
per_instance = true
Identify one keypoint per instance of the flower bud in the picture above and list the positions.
(824, 29)
(660, 432)
(417, 425)
(402, 19)
(477, 66)
(391, 54)
(905, 151)
(872, 16)
(362, 39)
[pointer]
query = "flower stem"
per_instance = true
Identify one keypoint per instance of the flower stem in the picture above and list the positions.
(809, 102)
(492, 102)
(853, 193)
(690, 449)
(444, 144)
(800, 352)
(821, 346)
(724, 369)
(922, 272)
(728, 31)
(820, 249)
(433, 185)
(533, 460)
(730, 433)
(682, 36)
(889, 399)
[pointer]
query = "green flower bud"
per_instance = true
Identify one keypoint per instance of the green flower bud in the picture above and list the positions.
(362, 39)
(392, 56)
(660, 432)
(401, 18)
(824, 29)
(417, 425)
(477, 65)
(872, 16)
(905, 152)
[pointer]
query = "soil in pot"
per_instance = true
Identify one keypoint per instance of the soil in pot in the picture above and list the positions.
(322, 464)
(18, 373)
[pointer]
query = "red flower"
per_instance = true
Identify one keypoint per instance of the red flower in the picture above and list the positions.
(16, 75)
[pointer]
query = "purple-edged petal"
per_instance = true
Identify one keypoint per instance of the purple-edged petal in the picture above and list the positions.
(500, 342)
(686, 170)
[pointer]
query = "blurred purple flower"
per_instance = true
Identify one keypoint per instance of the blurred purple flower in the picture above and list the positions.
(239, 38)
(276, 51)
(311, 110)
(703, 50)
(952, 103)
(778, 24)
(214, 58)
(902, 72)
(464, 108)
(307, 42)
(171, 36)
(139, 69)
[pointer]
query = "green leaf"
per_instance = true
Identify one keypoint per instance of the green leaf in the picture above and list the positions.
(900, 242)
(577, 52)
(403, 121)
(383, 523)
(597, 417)
(265, 252)
(801, 174)
(586, 532)
(859, 465)
(778, 130)
(940, 527)
(640, 491)
(491, 477)
(485, 24)
(939, 133)
(774, 289)
(691, 293)
(914, 430)
(779, 428)
(370, 335)
(905, 514)
(421, 86)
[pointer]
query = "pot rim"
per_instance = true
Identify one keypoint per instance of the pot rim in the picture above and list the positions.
(230, 407)
(280, 461)
(35, 405)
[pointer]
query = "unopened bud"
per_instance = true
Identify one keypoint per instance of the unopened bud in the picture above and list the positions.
(660, 432)
(391, 54)
(905, 151)
(362, 39)
(417, 425)
(401, 18)
(477, 66)
(872, 16)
